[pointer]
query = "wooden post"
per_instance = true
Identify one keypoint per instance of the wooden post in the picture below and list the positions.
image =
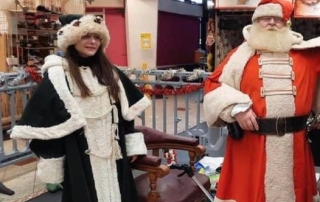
(3, 53)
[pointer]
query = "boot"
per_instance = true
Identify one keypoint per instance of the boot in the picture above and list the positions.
(5, 190)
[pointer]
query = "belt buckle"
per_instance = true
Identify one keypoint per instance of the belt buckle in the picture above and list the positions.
(281, 126)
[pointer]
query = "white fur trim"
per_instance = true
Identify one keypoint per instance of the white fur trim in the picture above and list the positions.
(222, 100)
(312, 43)
(279, 185)
(53, 61)
(135, 144)
(105, 177)
(229, 96)
(71, 34)
(51, 170)
(75, 122)
(269, 9)
(129, 113)
(298, 42)
(230, 74)
(297, 39)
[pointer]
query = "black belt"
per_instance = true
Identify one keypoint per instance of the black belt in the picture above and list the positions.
(280, 126)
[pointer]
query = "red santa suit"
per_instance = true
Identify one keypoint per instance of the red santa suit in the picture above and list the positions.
(271, 168)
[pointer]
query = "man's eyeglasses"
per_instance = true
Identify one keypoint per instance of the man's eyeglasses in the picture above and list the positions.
(268, 19)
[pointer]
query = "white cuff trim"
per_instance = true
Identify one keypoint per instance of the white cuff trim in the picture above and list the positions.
(51, 170)
(135, 144)
(240, 108)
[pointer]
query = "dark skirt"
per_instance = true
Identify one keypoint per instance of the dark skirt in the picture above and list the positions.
(79, 186)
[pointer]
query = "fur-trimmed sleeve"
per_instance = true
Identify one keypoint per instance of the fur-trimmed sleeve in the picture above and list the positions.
(51, 154)
(220, 98)
(134, 139)
(133, 101)
(51, 112)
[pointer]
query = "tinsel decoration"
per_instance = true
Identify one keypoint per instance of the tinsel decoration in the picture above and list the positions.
(34, 74)
(170, 73)
(169, 91)
(189, 88)
(128, 71)
(195, 75)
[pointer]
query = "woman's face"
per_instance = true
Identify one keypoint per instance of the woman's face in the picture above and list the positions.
(88, 45)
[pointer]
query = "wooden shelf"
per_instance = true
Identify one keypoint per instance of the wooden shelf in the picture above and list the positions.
(38, 48)
(32, 12)
(38, 30)
(23, 35)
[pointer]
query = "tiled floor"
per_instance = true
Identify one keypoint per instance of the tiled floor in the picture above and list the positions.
(22, 179)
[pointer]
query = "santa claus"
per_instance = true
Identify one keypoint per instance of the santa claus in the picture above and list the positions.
(266, 86)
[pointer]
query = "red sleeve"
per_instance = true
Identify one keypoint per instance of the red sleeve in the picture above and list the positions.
(212, 82)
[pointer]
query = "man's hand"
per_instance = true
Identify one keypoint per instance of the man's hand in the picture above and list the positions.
(247, 120)
(133, 158)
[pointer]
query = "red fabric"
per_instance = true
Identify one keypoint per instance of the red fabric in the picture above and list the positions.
(211, 82)
(243, 183)
(287, 7)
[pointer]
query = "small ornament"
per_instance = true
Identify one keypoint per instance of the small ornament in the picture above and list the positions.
(289, 23)
(195, 75)
(171, 156)
(168, 74)
(34, 74)
(189, 88)
(128, 71)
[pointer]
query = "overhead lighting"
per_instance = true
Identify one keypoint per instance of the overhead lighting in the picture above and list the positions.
(210, 4)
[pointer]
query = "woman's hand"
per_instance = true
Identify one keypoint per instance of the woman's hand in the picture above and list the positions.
(133, 158)
(247, 120)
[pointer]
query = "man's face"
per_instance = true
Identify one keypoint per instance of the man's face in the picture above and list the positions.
(271, 23)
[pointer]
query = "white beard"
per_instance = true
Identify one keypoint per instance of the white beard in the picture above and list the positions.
(275, 40)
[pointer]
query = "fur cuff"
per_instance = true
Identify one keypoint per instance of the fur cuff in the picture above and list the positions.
(135, 144)
(131, 112)
(51, 170)
(219, 103)
(75, 122)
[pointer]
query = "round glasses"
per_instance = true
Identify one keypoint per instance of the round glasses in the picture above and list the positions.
(268, 19)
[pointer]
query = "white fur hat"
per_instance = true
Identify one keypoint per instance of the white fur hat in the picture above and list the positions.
(72, 33)
(275, 8)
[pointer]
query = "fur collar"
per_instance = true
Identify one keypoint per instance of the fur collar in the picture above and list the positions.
(132, 102)
(128, 112)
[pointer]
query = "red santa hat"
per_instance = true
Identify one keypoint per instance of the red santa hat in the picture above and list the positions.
(276, 8)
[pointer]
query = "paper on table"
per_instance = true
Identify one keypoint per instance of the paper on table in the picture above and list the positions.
(212, 162)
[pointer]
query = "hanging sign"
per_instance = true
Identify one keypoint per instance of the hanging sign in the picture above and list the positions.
(238, 4)
(145, 41)
(307, 8)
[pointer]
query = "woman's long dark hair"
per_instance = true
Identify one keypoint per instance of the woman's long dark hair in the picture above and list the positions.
(101, 67)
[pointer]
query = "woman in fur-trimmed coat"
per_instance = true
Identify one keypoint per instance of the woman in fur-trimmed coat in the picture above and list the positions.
(80, 119)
